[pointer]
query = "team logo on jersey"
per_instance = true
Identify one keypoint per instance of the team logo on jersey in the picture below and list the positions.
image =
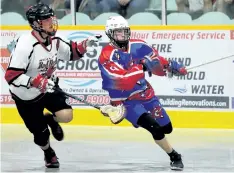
(117, 56)
(124, 59)
(157, 112)
(47, 63)
(5, 55)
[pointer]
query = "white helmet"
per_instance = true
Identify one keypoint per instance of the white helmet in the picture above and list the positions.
(117, 25)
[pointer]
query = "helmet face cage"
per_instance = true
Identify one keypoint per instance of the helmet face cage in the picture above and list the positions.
(40, 13)
(53, 26)
(119, 36)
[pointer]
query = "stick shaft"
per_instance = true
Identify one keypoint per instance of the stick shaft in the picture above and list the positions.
(76, 98)
(220, 59)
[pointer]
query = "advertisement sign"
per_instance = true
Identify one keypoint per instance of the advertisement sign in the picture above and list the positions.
(208, 87)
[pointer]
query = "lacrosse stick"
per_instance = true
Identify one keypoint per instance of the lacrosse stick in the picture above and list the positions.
(115, 113)
(220, 59)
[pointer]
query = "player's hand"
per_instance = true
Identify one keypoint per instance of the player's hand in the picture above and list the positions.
(87, 45)
(42, 83)
(55, 79)
(93, 39)
(152, 64)
(50, 73)
(176, 69)
(90, 42)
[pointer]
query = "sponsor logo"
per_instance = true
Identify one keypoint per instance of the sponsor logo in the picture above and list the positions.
(201, 89)
(181, 89)
(85, 68)
(5, 55)
(79, 35)
(8, 34)
(195, 102)
(207, 89)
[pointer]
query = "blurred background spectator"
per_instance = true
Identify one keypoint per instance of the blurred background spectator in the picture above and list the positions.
(226, 6)
(187, 6)
(93, 8)
(20, 6)
(196, 9)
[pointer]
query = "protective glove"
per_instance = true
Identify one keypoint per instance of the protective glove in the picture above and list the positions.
(42, 83)
(87, 45)
(176, 69)
(152, 64)
(55, 79)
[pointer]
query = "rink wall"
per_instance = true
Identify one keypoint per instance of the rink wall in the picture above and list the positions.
(180, 119)
(203, 99)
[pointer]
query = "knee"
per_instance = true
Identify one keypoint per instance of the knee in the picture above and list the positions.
(167, 129)
(41, 138)
(64, 116)
(148, 122)
(157, 132)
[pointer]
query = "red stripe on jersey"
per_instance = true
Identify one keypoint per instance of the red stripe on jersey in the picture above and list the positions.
(81, 47)
(164, 64)
(123, 78)
(74, 56)
(13, 74)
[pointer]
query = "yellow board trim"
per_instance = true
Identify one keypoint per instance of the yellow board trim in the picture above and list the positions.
(133, 27)
(180, 119)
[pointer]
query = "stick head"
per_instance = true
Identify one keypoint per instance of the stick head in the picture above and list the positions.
(115, 113)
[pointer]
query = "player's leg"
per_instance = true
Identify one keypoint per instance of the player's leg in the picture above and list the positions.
(137, 114)
(61, 113)
(148, 122)
(32, 115)
(159, 124)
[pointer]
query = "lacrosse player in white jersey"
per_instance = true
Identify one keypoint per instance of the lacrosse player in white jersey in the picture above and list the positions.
(31, 79)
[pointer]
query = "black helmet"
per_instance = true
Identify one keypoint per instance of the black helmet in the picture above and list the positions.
(39, 12)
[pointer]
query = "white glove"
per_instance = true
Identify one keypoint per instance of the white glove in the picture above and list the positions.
(54, 78)
(91, 40)
(115, 113)
(49, 87)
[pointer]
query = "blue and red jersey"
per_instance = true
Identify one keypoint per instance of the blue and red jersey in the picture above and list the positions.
(122, 73)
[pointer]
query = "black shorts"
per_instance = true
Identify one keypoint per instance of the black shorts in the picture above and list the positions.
(32, 112)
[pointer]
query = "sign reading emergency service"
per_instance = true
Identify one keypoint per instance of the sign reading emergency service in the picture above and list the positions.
(208, 87)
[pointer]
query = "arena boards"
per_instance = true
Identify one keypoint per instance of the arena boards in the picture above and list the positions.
(204, 99)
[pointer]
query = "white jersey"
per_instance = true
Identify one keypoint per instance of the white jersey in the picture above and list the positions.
(29, 58)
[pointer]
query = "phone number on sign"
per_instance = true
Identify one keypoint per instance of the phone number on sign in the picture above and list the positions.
(94, 99)
(6, 99)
